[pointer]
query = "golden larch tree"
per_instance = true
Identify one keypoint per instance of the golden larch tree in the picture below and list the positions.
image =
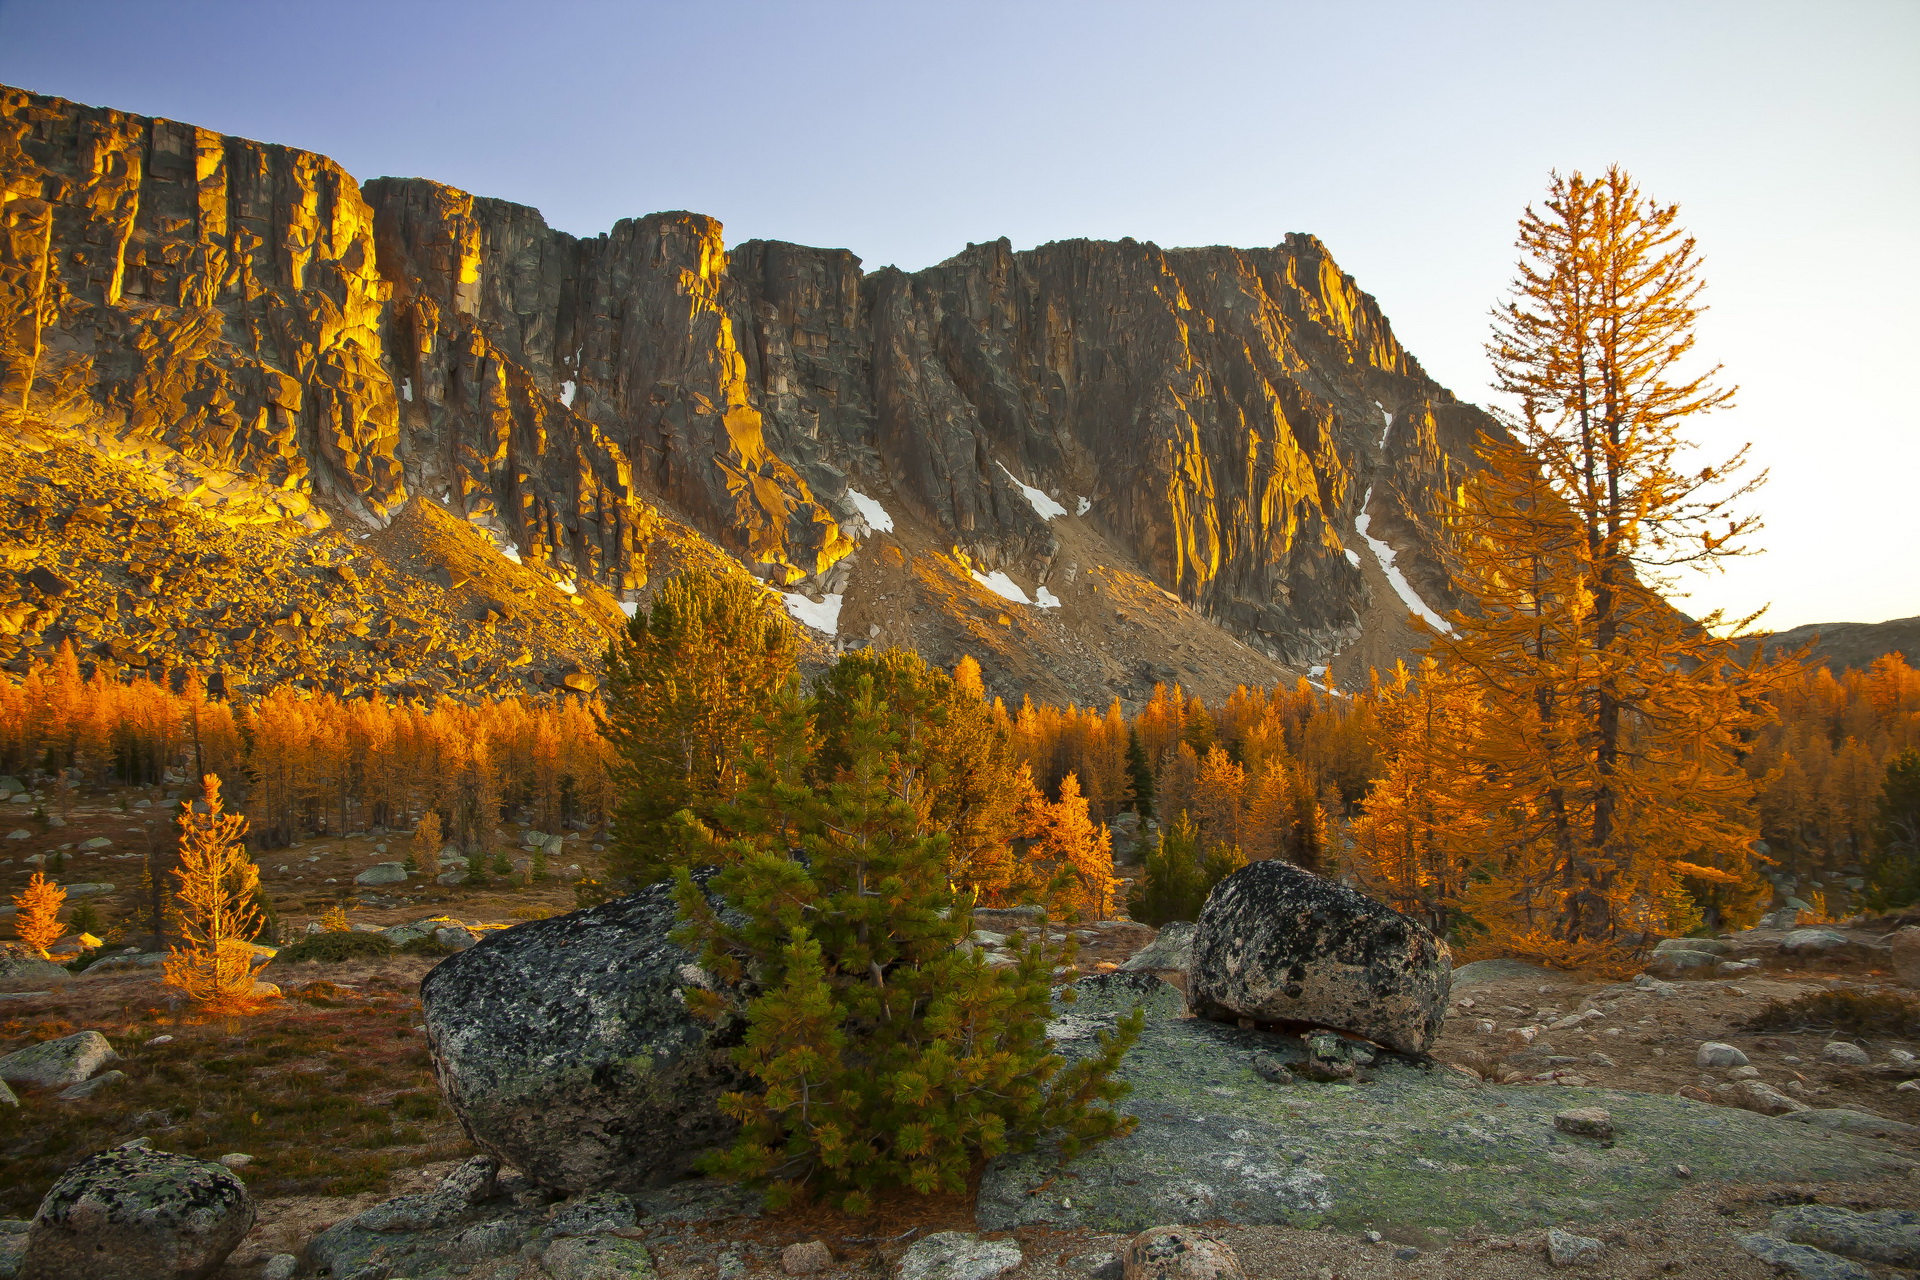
(37, 916)
(218, 918)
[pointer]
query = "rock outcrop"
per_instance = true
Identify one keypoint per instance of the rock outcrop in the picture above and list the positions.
(1278, 944)
(1219, 421)
(65, 1061)
(566, 1049)
(135, 1214)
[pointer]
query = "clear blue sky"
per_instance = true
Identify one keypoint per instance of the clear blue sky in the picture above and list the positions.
(1407, 136)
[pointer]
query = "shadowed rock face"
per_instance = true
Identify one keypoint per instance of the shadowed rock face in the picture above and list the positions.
(1221, 414)
(1278, 944)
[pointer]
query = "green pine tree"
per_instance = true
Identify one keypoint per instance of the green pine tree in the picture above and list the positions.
(1179, 874)
(1139, 776)
(890, 1056)
(1893, 866)
(689, 684)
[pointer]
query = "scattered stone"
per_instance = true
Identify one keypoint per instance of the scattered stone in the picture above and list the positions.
(1712, 946)
(1564, 1249)
(455, 937)
(382, 873)
(1270, 1068)
(1680, 964)
(598, 1258)
(1714, 1054)
(1585, 1122)
(136, 1214)
(805, 1259)
(1178, 1253)
(1813, 941)
(65, 1061)
(236, 1160)
(1844, 1054)
(566, 1049)
(87, 1088)
(280, 1266)
(1499, 970)
(595, 1214)
(1890, 1236)
(1279, 944)
(1851, 1120)
(23, 966)
(1171, 951)
(1754, 1095)
(1802, 1260)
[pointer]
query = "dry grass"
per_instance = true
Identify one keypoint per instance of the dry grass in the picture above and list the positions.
(330, 1091)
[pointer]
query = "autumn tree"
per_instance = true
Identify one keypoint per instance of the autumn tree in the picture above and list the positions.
(36, 920)
(217, 887)
(1065, 846)
(1606, 761)
(689, 684)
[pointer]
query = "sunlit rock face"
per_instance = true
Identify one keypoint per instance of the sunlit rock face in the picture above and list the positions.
(1216, 416)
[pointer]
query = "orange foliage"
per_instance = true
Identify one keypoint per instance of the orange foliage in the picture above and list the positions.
(218, 884)
(37, 922)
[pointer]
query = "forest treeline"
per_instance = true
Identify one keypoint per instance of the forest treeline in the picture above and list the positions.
(1286, 772)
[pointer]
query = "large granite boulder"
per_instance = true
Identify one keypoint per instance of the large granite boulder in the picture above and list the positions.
(20, 965)
(135, 1214)
(1278, 944)
(566, 1049)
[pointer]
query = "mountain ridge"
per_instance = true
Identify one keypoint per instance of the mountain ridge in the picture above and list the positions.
(1237, 428)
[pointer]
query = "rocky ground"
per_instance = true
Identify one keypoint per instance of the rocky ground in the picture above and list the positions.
(331, 1095)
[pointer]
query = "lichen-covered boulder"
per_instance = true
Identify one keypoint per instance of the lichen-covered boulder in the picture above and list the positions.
(566, 1049)
(135, 1214)
(62, 1062)
(1278, 944)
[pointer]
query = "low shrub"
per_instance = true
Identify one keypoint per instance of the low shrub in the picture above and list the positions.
(425, 945)
(335, 947)
(1848, 1012)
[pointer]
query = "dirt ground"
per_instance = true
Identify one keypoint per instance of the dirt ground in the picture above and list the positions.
(346, 1035)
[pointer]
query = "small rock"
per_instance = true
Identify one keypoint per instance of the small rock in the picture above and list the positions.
(1756, 1096)
(280, 1266)
(236, 1159)
(1268, 1067)
(597, 1258)
(1802, 1260)
(805, 1259)
(135, 1214)
(382, 873)
(1564, 1249)
(1178, 1253)
(1714, 1054)
(1844, 1054)
(595, 1214)
(1850, 1120)
(1890, 1236)
(87, 1088)
(957, 1255)
(1585, 1122)
(1813, 941)
(65, 1061)
(1743, 1073)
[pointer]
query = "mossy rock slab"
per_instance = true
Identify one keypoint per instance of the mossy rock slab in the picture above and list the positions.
(1411, 1144)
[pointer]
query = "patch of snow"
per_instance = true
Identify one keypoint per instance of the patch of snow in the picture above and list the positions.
(1384, 431)
(569, 586)
(406, 390)
(511, 552)
(1316, 671)
(1385, 555)
(822, 615)
(630, 607)
(1045, 599)
(1001, 585)
(1086, 505)
(1353, 557)
(871, 511)
(566, 393)
(1046, 508)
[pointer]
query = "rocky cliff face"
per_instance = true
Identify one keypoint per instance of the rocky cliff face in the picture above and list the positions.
(1222, 423)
